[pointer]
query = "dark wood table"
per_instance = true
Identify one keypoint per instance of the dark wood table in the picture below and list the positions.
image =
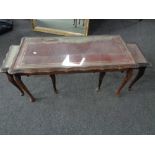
(61, 55)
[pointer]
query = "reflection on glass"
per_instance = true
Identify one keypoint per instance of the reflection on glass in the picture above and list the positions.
(67, 62)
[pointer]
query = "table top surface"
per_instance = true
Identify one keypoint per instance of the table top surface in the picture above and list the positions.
(47, 54)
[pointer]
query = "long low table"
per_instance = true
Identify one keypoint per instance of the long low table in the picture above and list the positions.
(61, 55)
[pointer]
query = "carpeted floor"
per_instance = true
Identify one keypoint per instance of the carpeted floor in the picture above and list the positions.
(78, 108)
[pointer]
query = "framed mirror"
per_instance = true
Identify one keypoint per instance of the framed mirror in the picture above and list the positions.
(65, 27)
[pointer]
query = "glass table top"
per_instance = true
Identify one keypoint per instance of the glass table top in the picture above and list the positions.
(72, 52)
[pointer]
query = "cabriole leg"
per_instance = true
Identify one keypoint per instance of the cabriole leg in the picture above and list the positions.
(101, 76)
(22, 85)
(10, 78)
(125, 80)
(53, 78)
(141, 72)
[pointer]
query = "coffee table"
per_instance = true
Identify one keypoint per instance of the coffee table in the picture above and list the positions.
(61, 55)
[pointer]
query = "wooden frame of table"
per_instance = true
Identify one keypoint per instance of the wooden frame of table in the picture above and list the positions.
(21, 60)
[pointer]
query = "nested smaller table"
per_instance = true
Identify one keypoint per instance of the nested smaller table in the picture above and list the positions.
(61, 55)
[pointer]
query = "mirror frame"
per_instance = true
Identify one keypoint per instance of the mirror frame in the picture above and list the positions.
(60, 32)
